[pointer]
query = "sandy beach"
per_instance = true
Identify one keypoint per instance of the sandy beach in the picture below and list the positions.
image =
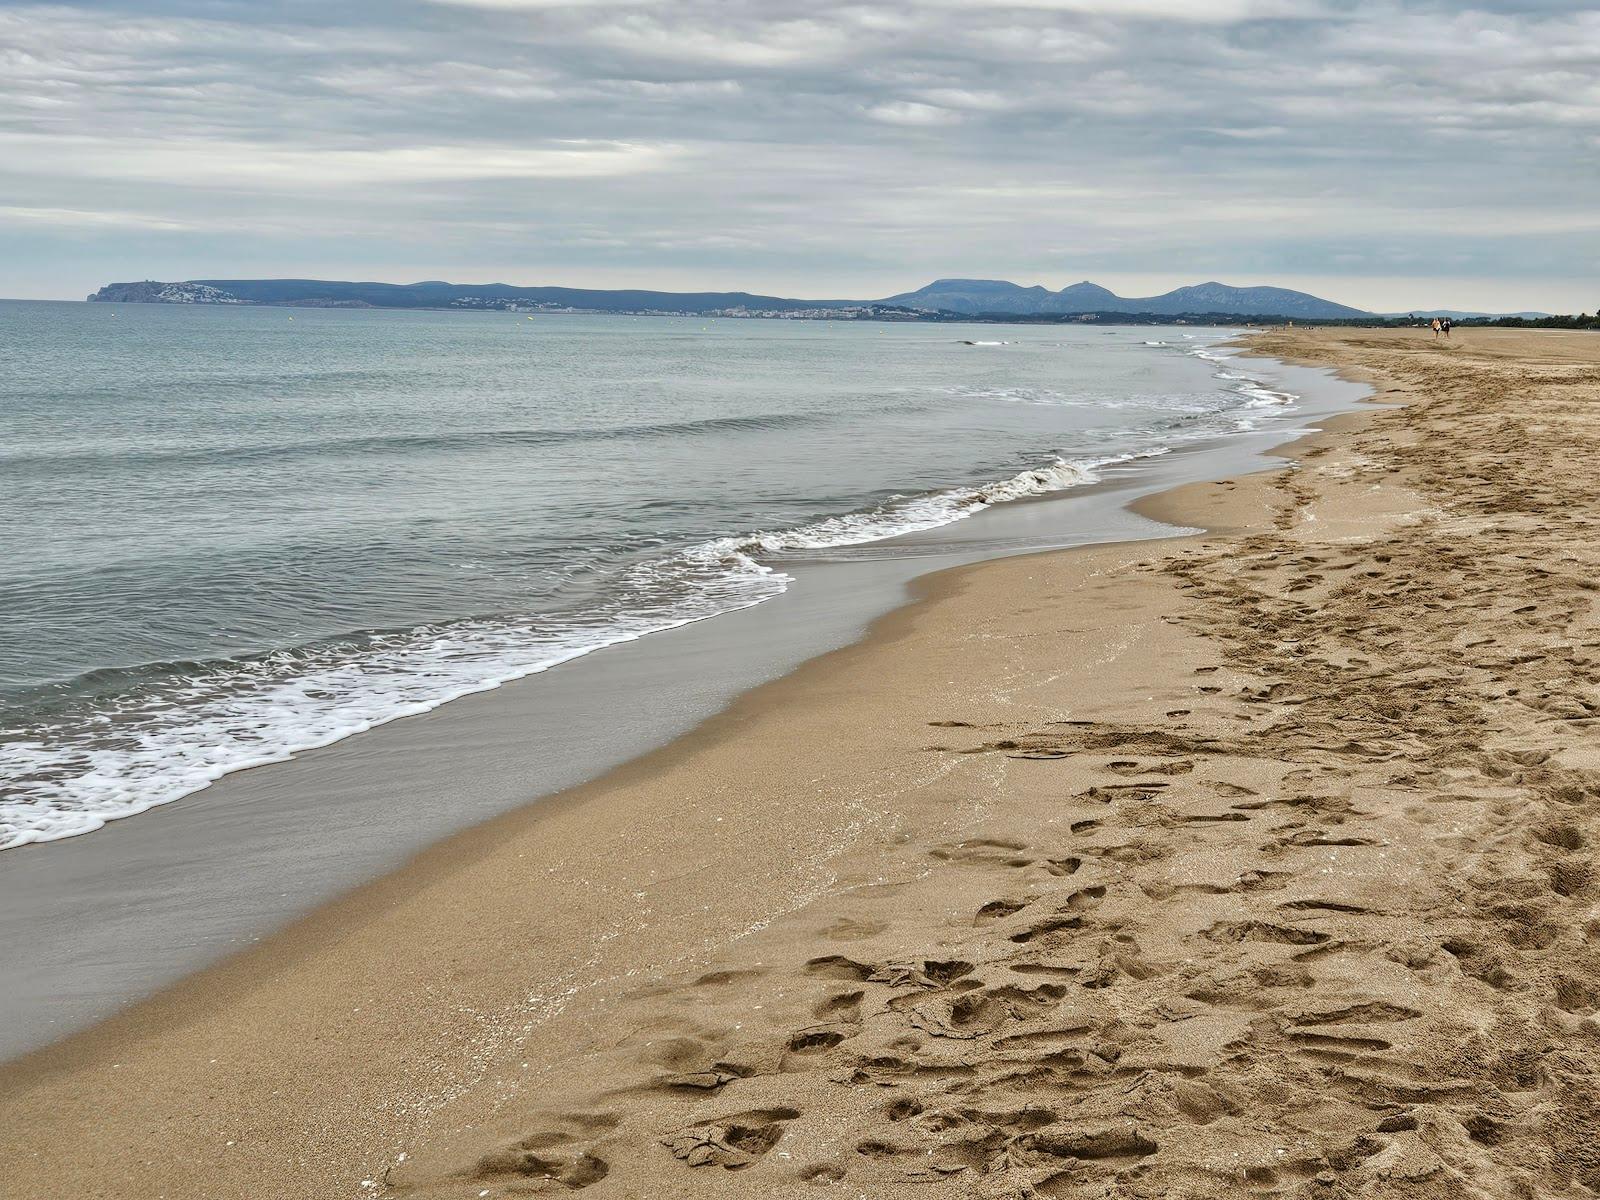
(1258, 862)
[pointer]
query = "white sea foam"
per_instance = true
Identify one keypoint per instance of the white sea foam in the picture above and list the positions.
(1045, 397)
(245, 714)
(249, 714)
(911, 514)
(1257, 394)
(240, 714)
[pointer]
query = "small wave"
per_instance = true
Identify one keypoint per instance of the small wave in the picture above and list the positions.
(1257, 395)
(969, 342)
(181, 726)
(404, 443)
(1016, 395)
(70, 776)
(901, 515)
(1164, 402)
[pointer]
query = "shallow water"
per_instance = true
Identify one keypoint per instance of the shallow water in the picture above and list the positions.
(144, 902)
(230, 534)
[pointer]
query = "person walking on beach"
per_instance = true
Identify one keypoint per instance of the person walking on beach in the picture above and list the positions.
(1445, 325)
(1437, 326)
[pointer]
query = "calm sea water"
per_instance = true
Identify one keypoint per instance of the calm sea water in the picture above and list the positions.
(229, 534)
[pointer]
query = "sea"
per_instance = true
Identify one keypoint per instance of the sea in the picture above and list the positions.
(228, 534)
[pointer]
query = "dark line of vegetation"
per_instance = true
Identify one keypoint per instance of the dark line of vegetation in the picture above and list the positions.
(1581, 321)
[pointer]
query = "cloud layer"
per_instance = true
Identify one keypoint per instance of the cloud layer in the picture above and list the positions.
(1386, 155)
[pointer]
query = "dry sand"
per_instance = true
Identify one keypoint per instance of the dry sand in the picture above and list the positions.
(1253, 864)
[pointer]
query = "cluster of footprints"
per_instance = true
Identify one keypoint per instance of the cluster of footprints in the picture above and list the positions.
(1168, 997)
(1324, 928)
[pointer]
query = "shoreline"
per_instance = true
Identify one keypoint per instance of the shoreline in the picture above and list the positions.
(209, 875)
(234, 977)
(1172, 506)
(897, 521)
(1002, 857)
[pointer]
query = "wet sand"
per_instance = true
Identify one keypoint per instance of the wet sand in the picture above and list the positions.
(144, 902)
(1252, 863)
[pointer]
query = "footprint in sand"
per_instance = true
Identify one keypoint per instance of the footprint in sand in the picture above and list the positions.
(1263, 931)
(1127, 793)
(1085, 898)
(730, 1142)
(929, 973)
(805, 1045)
(844, 1006)
(1124, 766)
(551, 1155)
(822, 1174)
(710, 1080)
(1062, 866)
(1045, 928)
(847, 929)
(984, 852)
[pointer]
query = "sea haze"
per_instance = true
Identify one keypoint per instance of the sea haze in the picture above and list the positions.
(233, 533)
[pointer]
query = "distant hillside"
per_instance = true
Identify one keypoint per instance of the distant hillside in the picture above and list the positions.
(940, 299)
(325, 293)
(996, 296)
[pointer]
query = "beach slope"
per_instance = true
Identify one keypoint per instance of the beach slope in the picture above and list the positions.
(1253, 863)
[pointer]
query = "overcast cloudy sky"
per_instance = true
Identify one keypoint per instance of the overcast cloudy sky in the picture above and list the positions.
(1385, 155)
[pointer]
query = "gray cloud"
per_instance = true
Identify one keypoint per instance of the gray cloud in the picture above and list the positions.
(1385, 154)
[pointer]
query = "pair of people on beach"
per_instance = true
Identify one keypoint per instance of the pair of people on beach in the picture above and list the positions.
(1441, 325)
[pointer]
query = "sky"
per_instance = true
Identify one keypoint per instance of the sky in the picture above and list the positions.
(1389, 156)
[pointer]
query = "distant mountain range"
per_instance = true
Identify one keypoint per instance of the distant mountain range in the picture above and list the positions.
(986, 296)
(968, 297)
